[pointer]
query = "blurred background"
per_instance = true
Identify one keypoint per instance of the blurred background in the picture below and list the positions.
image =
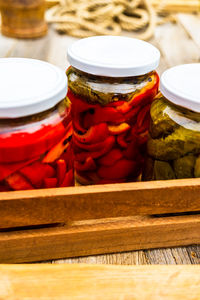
(43, 29)
(83, 18)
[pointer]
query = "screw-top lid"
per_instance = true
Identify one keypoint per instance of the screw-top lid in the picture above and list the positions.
(181, 85)
(113, 56)
(29, 86)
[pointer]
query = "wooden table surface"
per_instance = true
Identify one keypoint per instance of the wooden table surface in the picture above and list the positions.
(178, 43)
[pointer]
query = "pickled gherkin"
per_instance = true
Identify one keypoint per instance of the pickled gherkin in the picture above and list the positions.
(174, 141)
(184, 166)
(161, 123)
(181, 142)
(162, 170)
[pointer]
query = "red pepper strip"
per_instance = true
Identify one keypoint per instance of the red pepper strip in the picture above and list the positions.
(77, 126)
(79, 107)
(17, 182)
(115, 103)
(88, 165)
(117, 129)
(111, 157)
(145, 126)
(58, 149)
(121, 140)
(68, 157)
(143, 114)
(95, 134)
(90, 147)
(23, 145)
(102, 115)
(148, 91)
(121, 169)
(36, 172)
(69, 179)
(61, 170)
(50, 183)
(132, 113)
(123, 108)
(82, 179)
(8, 169)
(93, 177)
(132, 151)
(108, 144)
(139, 138)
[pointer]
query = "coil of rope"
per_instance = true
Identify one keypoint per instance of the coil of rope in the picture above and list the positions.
(84, 18)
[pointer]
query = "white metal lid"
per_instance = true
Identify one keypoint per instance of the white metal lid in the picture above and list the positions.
(29, 86)
(181, 85)
(113, 56)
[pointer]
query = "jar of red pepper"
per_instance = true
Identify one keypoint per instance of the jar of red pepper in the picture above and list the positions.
(35, 126)
(112, 83)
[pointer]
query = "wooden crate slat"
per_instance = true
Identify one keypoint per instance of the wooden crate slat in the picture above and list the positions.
(93, 202)
(99, 236)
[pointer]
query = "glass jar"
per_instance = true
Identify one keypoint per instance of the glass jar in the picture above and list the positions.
(112, 83)
(35, 126)
(174, 142)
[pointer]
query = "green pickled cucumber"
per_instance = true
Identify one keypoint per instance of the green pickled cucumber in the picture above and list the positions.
(163, 171)
(184, 166)
(166, 117)
(180, 143)
(197, 168)
(161, 123)
(105, 89)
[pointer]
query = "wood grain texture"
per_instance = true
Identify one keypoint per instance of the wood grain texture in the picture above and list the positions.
(96, 202)
(98, 236)
(99, 282)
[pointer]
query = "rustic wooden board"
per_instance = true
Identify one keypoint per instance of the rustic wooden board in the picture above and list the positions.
(98, 236)
(99, 282)
(63, 205)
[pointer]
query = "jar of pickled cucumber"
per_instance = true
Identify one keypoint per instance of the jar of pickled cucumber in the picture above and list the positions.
(35, 126)
(112, 83)
(174, 142)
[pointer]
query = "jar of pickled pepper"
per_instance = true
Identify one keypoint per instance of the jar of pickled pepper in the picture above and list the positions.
(35, 126)
(112, 83)
(174, 143)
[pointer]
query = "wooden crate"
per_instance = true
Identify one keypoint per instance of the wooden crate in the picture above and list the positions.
(67, 222)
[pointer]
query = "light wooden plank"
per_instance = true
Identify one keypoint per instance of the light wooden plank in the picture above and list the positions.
(175, 45)
(6, 46)
(97, 282)
(191, 24)
(57, 52)
(36, 49)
